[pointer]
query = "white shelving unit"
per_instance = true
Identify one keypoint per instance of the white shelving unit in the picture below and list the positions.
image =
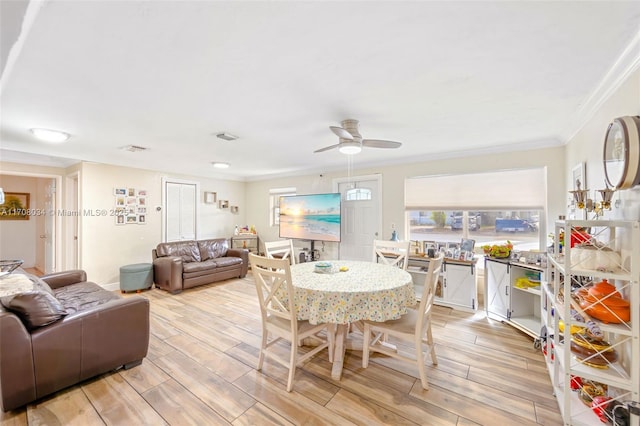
(566, 276)
(505, 301)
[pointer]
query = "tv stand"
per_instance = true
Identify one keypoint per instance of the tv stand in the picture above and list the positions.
(309, 255)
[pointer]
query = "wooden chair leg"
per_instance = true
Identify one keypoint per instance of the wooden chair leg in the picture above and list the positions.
(292, 366)
(420, 359)
(263, 347)
(432, 347)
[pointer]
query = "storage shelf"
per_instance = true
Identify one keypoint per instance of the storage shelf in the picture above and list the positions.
(529, 322)
(618, 274)
(621, 377)
(532, 290)
(613, 376)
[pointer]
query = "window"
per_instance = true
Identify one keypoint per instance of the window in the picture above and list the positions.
(274, 203)
(489, 208)
(357, 194)
(521, 227)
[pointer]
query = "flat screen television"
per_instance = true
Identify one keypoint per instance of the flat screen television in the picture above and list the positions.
(314, 217)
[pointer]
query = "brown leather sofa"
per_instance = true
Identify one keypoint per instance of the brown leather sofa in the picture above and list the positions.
(185, 264)
(76, 331)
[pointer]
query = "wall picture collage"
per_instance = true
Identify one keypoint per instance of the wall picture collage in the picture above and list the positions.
(130, 206)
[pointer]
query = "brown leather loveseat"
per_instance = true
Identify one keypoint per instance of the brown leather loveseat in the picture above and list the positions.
(185, 264)
(64, 330)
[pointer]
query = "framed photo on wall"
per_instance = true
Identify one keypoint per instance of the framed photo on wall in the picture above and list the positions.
(210, 197)
(15, 206)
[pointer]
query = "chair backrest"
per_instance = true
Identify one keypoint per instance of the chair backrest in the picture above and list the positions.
(274, 287)
(429, 292)
(282, 249)
(395, 253)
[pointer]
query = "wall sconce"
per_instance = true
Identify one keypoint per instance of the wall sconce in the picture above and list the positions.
(582, 200)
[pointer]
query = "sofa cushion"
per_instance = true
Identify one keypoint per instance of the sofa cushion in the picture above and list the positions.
(212, 249)
(187, 250)
(207, 265)
(83, 296)
(221, 262)
(210, 265)
(35, 308)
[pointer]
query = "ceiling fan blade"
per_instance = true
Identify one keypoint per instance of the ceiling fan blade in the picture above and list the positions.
(340, 132)
(377, 143)
(327, 148)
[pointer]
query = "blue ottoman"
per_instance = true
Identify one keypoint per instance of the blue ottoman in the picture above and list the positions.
(136, 277)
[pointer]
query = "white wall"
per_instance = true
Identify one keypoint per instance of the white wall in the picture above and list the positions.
(393, 184)
(18, 239)
(587, 146)
(105, 246)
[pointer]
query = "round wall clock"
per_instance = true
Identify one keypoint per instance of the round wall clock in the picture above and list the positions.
(622, 153)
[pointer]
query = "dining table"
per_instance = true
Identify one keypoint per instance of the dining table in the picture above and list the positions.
(344, 292)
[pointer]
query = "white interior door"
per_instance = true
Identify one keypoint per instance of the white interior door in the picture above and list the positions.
(180, 211)
(361, 215)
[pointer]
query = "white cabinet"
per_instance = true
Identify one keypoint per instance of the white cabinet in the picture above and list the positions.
(613, 365)
(457, 285)
(508, 300)
(460, 286)
(497, 288)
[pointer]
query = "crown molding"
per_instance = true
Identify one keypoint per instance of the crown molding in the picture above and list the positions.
(627, 63)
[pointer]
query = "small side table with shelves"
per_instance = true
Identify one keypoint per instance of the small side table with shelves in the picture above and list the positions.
(248, 241)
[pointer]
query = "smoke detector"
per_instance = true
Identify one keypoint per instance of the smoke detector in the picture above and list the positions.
(226, 136)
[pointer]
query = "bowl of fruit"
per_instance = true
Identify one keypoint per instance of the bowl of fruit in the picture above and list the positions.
(499, 251)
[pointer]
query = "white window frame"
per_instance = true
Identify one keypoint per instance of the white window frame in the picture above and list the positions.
(274, 203)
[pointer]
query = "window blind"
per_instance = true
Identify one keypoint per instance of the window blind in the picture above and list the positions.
(523, 189)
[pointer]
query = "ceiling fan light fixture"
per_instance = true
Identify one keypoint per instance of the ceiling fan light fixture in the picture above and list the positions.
(350, 148)
(48, 135)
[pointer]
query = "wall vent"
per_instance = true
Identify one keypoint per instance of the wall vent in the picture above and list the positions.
(226, 136)
(134, 148)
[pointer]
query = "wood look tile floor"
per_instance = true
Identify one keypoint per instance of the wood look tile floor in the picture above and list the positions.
(200, 370)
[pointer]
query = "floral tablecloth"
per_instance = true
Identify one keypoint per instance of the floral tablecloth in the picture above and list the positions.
(367, 291)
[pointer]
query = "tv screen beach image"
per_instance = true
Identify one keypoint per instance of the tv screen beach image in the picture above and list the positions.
(310, 217)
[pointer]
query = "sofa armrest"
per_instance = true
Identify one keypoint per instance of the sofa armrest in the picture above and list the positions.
(90, 342)
(64, 278)
(167, 273)
(242, 254)
(17, 376)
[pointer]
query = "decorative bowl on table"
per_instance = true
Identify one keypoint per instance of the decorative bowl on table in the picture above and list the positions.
(323, 268)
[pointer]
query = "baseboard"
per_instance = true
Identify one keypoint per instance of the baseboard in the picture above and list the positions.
(111, 286)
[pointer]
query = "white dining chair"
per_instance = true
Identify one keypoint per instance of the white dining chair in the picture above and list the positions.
(415, 326)
(282, 249)
(395, 253)
(279, 319)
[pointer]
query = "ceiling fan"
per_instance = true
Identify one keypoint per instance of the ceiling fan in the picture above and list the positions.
(351, 141)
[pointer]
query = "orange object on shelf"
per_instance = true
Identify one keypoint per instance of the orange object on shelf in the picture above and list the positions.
(613, 309)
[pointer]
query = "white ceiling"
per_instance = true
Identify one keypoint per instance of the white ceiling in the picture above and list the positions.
(443, 78)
